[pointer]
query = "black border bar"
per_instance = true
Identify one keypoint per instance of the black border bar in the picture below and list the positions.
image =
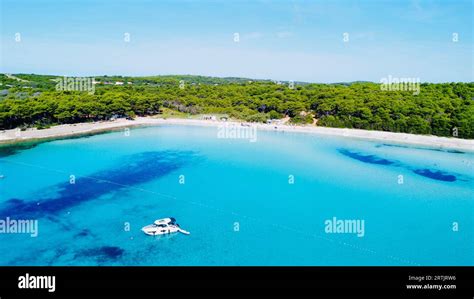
(291, 282)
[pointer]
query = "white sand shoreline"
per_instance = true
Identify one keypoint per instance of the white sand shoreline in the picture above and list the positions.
(14, 136)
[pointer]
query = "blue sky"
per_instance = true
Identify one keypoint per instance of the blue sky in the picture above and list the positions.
(281, 40)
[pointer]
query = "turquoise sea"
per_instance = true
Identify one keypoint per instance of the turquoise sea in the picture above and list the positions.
(245, 203)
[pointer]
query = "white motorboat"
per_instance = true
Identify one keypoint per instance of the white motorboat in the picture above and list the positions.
(163, 227)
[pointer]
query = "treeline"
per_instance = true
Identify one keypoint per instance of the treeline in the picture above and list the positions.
(440, 109)
(49, 108)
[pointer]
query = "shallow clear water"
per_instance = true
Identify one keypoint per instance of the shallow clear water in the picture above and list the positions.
(237, 200)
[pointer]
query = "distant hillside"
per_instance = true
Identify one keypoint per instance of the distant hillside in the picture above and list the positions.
(47, 81)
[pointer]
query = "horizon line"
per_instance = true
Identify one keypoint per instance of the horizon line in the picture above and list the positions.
(235, 77)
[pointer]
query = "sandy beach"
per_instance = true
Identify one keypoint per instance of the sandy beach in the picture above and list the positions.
(15, 135)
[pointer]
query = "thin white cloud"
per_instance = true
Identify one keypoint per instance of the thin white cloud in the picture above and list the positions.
(426, 13)
(252, 35)
(284, 34)
(370, 36)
